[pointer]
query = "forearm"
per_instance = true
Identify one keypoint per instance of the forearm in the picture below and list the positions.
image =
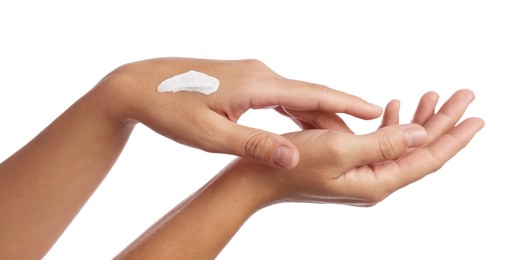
(201, 226)
(45, 183)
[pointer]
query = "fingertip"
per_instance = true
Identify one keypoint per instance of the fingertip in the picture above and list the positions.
(432, 93)
(391, 114)
(367, 111)
(415, 136)
(376, 107)
(431, 96)
(466, 93)
(465, 90)
(285, 157)
(482, 122)
(394, 103)
(478, 122)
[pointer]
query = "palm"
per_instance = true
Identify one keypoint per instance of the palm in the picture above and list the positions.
(366, 182)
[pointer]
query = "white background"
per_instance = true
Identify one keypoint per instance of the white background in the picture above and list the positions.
(475, 207)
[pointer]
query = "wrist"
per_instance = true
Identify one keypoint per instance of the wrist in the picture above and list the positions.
(114, 96)
(258, 187)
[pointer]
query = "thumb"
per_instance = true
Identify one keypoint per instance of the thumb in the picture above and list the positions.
(391, 142)
(256, 144)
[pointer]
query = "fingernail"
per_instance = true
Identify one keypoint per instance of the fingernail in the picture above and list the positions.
(283, 157)
(376, 107)
(415, 136)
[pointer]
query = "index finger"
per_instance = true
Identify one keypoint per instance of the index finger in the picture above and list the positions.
(300, 95)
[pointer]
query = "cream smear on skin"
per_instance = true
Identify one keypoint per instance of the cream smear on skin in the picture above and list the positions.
(192, 81)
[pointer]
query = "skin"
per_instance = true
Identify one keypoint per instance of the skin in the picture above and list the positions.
(335, 167)
(247, 84)
(45, 184)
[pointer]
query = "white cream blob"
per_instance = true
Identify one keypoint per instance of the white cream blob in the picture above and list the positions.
(193, 81)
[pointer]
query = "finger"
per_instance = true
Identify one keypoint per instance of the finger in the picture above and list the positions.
(391, 114)
(449, 114)
(426, 107)
(282, 111)
(320, 120)
(425, 160)
(303, 125)
(299, 95)
(388, 143)
(251, 143)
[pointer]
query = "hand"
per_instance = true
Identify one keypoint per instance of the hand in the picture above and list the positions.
(362, 170)
(334, 167)
(209, 122)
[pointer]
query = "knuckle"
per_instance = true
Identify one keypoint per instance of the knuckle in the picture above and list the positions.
(436, 165)
(387, 149)
(377, 196)
(320, 88)
(335, 147)
(375, 193)
(253, 68)
(322, 91)
(254, 62)
(257, 145)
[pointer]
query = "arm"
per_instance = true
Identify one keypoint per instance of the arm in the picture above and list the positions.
(45, 184)
(334, 167)
(202, 225)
